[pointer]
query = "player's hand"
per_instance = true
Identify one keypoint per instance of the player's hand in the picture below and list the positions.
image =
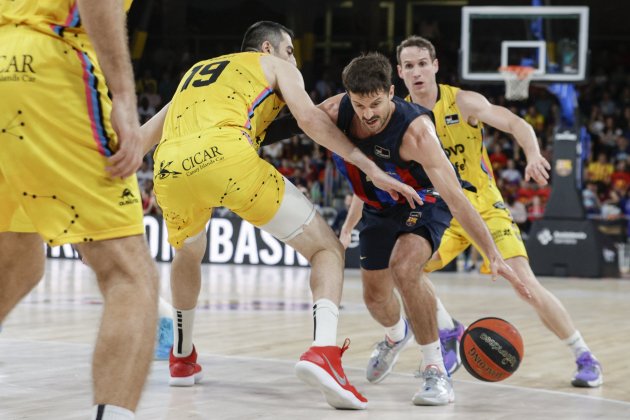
(128, 158)
(345, 237)
(499, 267)
(394, 187)
(537, 169)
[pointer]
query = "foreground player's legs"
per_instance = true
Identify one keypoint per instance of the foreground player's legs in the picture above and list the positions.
(383, 305)
(408, 257)
(450, 332)
(127, 277)
(21, 267)
(556, 318)
(321, 364)
(298, 224)
(185, 287)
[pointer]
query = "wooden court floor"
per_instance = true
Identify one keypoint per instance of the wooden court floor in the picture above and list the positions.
(254, 322)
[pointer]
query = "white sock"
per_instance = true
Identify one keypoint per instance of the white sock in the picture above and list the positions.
(182, 331)
(325, 318)
(432, 355)
(111, 412)
(397, 332)
(576, 343)
(165, 310)
(444, 319)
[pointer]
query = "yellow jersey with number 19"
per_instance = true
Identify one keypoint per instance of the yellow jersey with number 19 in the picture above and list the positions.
(240, 99)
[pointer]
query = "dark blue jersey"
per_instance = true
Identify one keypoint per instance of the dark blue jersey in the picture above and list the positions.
(383, 148)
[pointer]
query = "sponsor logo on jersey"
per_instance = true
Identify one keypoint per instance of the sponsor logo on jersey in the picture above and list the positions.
(451, 119)
(454, 150)
(382, 152)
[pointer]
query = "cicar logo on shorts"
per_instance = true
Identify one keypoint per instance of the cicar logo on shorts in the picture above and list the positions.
(200, 160)
(20, 68)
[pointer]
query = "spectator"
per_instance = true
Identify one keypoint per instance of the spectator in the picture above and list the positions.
(536, 209)
(600, 170)
(497, 157)
(535, 119)
(510, 174)
(145, 173)
(519, 213)
(145, 110)
(590, 199)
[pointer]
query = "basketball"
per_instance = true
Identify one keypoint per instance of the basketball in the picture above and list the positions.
(491, 349)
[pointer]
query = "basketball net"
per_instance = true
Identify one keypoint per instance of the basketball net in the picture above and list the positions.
(517, 80)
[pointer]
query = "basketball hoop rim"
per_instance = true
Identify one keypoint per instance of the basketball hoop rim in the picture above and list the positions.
(521, 72)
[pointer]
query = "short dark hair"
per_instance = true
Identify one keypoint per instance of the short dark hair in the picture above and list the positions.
(367, 74)
(262, 31)
(416, 41)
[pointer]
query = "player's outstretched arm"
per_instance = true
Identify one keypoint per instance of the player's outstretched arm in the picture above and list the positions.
(105, 23)
(476, 106)
(318, 126)
(421, 144)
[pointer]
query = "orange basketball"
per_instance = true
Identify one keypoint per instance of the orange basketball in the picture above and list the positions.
(491, 349)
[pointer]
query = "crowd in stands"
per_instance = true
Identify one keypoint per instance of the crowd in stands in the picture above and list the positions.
(603, 108)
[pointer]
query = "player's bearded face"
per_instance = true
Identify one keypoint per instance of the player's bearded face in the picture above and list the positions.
(373, 109)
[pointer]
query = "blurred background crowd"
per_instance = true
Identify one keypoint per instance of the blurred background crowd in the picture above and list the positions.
(603, 107)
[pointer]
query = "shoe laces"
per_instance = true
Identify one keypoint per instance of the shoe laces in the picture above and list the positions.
(384, 347)
(432, 377)
(345, 346)
(586, 360)
(431, 374)
(447, 334)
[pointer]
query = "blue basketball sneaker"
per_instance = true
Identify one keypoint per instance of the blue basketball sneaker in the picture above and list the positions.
(449, 340)
(589, 372)
(164, 338)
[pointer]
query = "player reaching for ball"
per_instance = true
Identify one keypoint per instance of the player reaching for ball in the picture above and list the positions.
(396, 240)
(466, 112)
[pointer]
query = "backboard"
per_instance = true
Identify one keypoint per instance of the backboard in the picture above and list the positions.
(551, 39)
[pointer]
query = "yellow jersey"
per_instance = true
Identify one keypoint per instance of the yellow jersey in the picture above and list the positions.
(49, 16)
(462, 142)
(230, 91)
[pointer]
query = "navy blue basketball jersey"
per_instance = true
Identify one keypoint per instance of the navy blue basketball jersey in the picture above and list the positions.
(383, 148)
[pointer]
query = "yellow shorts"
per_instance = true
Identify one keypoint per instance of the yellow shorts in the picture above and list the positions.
(54, 139)
(504, 231)
(214, 168)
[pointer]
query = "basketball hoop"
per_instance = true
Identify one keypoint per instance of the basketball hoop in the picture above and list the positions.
(517, 80)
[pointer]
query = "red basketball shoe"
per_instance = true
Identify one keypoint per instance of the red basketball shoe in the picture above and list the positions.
(185, 371)
(321, 367)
